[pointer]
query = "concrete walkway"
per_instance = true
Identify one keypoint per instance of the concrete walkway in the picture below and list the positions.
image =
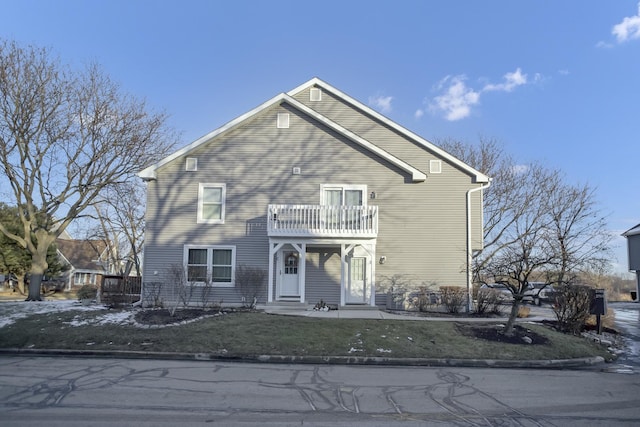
(537, 314)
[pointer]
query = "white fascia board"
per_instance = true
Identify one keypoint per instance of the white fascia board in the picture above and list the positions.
(150, 172)
(417, 175)
(632, 232)
(478, 176)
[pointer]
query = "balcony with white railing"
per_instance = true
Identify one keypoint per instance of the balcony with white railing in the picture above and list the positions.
(322, 221)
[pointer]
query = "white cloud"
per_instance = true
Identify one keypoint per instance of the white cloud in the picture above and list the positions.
(383, 103)
(457, 100)
(563, 72)
(511, 81)
(419, 113)
(628, 29)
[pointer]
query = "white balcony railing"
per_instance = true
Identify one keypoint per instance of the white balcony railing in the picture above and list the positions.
(322, 221)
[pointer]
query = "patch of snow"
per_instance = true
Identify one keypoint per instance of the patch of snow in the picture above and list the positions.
(382, 350)
(353, 350)
(12, 311)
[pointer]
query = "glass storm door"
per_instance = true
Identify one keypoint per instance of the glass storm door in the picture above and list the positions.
(290, 285)
(357, 286)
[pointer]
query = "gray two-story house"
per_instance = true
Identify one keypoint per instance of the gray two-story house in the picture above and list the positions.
(327, 196)
(633, 251)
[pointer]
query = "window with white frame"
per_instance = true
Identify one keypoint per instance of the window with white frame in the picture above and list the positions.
(211, 202)
(84, 279)
(343, 195)
(210, 264)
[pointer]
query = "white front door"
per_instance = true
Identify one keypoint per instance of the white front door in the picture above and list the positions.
(289, 281)
(357, 285)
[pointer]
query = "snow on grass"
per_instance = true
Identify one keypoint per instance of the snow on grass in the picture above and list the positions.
(14, 310)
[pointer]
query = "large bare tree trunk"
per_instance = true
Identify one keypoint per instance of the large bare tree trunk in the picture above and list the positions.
(39, 266)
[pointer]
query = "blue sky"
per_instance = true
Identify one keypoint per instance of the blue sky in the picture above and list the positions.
(554, 81)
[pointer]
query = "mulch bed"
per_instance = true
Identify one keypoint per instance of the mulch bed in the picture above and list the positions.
(495, 332)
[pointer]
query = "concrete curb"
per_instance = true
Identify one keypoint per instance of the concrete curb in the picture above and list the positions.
(315, 360)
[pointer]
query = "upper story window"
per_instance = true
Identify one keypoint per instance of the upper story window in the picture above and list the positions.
(343, 195)
(211, 203)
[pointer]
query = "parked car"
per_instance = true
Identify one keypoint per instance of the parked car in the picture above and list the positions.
(539, 292)
(505, 294)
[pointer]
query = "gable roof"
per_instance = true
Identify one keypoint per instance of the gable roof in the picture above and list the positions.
(417, 175)
(632, 231)
(82, 254)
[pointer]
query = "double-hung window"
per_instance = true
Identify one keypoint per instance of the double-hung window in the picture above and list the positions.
(211, 203)
(210, 264)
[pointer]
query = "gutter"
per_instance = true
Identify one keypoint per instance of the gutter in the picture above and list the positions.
(469, 250)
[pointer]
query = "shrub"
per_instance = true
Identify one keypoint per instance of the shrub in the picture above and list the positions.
(453, 298)
(571, 307)
(423, 298)
(489, 301)
(87, 292)
(250, 281)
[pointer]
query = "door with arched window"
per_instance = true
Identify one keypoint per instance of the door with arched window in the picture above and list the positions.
(289, 279)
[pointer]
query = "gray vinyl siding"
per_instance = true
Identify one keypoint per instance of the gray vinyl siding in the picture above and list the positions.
(633, 243)
(422, 226)
(323, 275)
(398, 145)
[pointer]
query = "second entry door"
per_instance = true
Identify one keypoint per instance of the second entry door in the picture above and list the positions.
(290, 285)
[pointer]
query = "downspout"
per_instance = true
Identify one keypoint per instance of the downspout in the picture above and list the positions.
(469, 250)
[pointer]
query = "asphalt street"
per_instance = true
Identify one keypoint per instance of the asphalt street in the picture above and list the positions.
(57, 391)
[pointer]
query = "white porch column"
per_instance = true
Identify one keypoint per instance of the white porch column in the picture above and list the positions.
(273, 248)
(301, 249)
(302, 271)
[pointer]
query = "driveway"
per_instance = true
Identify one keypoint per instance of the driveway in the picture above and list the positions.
(627, 321)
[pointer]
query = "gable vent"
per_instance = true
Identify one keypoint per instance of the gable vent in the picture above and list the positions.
(191, 164)
(283, 121)
(315, 94)
(435, 166)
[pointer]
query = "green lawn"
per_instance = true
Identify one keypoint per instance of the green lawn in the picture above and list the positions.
(255, 333)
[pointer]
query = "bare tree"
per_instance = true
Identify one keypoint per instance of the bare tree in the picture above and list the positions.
(119, 213)
(65, 137)
(535, 224)
(577, 233)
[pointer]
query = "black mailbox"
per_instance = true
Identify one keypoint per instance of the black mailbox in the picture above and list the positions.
(598, 302)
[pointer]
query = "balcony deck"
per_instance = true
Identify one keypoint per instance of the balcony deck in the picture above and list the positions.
(322, 221)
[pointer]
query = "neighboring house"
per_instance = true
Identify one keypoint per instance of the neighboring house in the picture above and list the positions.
(326, 195)
(633, 247)
(86, 261)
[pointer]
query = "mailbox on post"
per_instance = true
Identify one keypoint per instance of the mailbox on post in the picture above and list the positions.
(598, 306)
(598, 302)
